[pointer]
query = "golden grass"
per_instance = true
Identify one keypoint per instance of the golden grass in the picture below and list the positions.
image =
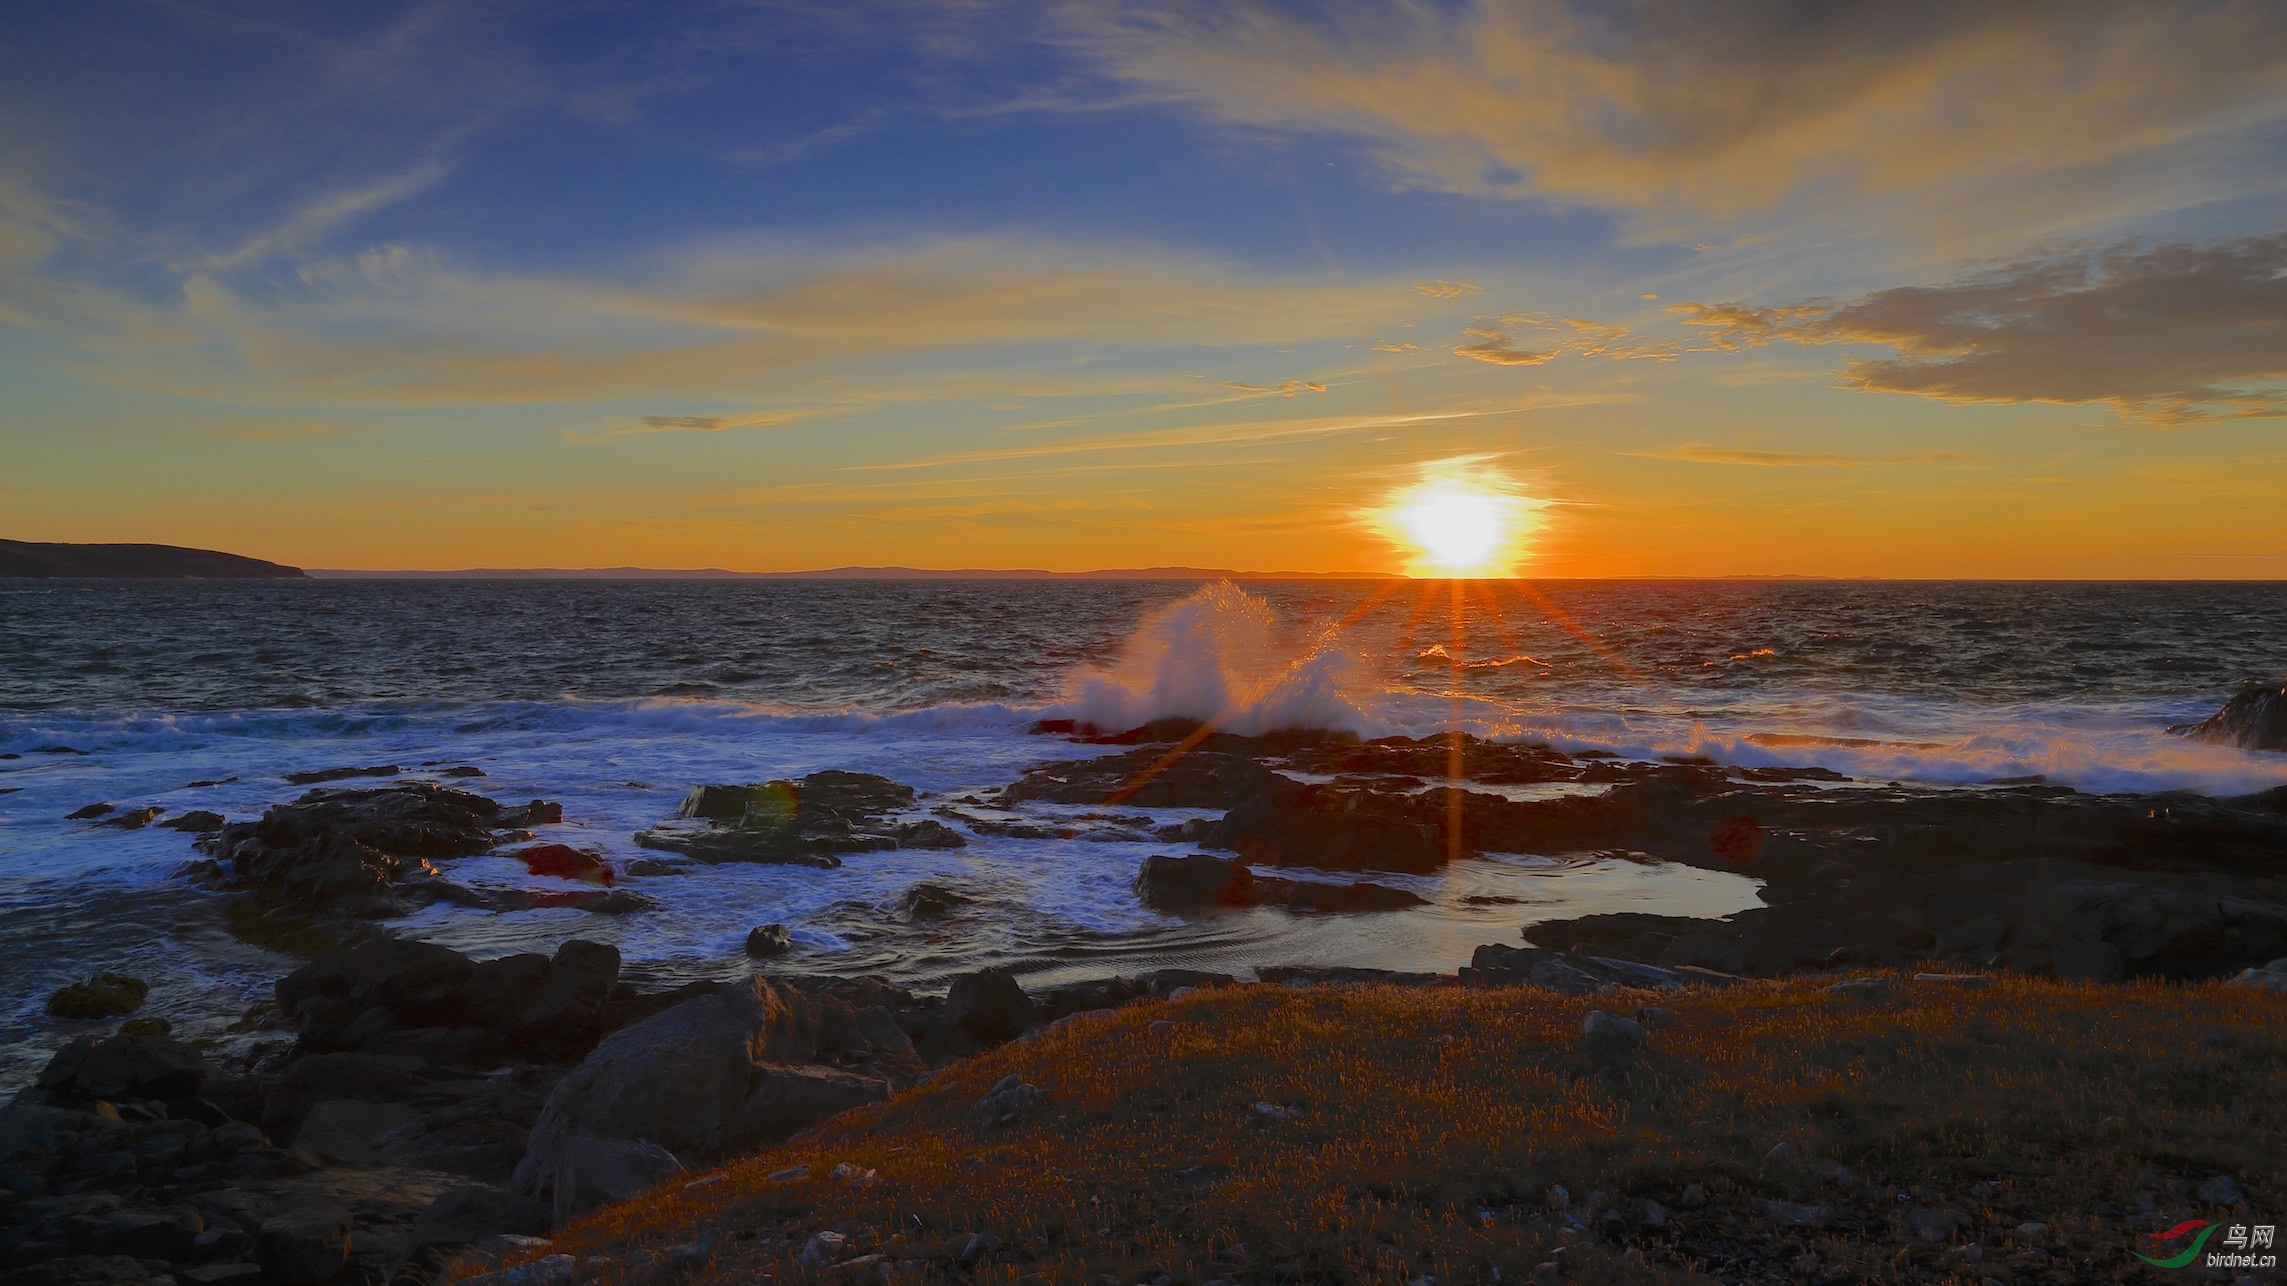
(1429, 1125)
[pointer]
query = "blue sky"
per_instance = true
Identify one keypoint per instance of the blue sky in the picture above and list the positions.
(1836, 289)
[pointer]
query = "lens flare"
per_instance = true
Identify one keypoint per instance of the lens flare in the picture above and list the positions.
(1460, 518)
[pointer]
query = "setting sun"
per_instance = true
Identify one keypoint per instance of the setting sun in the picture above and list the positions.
(1462, 518)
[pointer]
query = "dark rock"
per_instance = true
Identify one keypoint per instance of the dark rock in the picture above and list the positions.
(352, 1132)
(562, 861)
(106, 995)
(198, 821)
(419, 982)
(1573, 973)
(84, 814)
(122, 1067)
(717, 1075)
(1200, 881)
(1200, 779)
(1345, 975)
(363, 852)
(461, 770)
(769, 940)
(2255, 718)
(990, 1006)
(593, 1172)
(133, 819)
(304, 1248)
(931, 901)
(595, 901)
(316, 776)
(463, 1215)
(804, 822)
(1161, 983)
(321, 1078)
(1080, 997)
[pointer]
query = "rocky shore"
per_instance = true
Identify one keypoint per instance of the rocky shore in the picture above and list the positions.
(408, 1107)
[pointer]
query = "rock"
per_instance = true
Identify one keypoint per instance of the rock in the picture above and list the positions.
(123, 1067)
(304, 1248)
(931, 901)
(1978, 938)
(1863, 988)
(198, 821)
(804, 822)
(106, 995)
(548, 1008)
(1009, 1102)
(1199, 881)
(2222, 1190)
(592, 1172)
(716, 1075)
(1602, 1032)
(420, 982)
(1498, 964)
(84, 814)
(1203, 778)
(1693, 1197)
(320, 1078)
(314, 776)
(364, 852)
(562, 861)
(133, 819)
(232, 1272)
(350, 1132)
(1345, 975)
(990, 1006)
(2272, 976)
(769, 940)
(822, 1249)
(2255, 718)
(467, 1214)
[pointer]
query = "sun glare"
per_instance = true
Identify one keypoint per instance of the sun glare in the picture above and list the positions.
(1461, 518)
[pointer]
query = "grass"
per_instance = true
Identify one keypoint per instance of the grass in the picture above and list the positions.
(1429, 1128)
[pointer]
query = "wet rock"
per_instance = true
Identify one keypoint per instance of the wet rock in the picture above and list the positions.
(990, 1006)
(562, 861)
(1144, 777)
(1081, 997)
(1189, 883)
(594, 901)
(88, 813)
(769, 940)
(198, 821)
(931, 901)
(93, 1068)
(803, 822)
(106, 995)
(133, 819)
(2255, 718)
(364, 852)
(315, 776)
(718, 1074)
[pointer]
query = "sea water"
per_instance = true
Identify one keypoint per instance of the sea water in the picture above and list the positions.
(616, 697)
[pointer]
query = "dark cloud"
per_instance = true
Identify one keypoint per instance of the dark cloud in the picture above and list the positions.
(2166, 334)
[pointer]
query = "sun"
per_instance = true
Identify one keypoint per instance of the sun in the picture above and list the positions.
(1461, 518)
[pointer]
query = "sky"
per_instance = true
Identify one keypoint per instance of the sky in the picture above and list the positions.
(1852, 289)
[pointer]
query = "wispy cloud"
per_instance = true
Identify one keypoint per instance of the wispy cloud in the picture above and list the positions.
(1681, 112)
(1704, 453)
(307, 226)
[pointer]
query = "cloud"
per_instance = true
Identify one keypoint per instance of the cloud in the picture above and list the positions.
(2168, 334)
(1387, 347)
(1496, 347)
(1286, 388)
(409, 325)
(1667, 108)
(1703, 453)
(818, 140)
(310, 224)
(1447, 289)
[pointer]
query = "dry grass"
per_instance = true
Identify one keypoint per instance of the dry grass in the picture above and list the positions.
(1429, 1126)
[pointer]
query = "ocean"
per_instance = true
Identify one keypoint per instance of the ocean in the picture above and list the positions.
(616, 697)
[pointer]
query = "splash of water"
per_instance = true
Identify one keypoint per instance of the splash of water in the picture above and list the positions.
(1221, 655)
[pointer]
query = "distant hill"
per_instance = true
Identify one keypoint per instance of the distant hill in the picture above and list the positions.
(134, 562)
(838, 573)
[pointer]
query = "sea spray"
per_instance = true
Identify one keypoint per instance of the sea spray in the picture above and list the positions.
(1222, 655)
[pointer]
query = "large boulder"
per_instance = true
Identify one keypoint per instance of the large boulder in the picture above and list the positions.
(417, 982)
(719, 1074)
(990, 1006)
(2255, 718)
(548, 1008)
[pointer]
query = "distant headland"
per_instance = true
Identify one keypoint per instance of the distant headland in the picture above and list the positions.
(134, 562)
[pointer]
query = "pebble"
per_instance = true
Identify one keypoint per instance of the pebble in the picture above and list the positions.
(791, 1174)
(1693, 1197)
(821, 1249)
